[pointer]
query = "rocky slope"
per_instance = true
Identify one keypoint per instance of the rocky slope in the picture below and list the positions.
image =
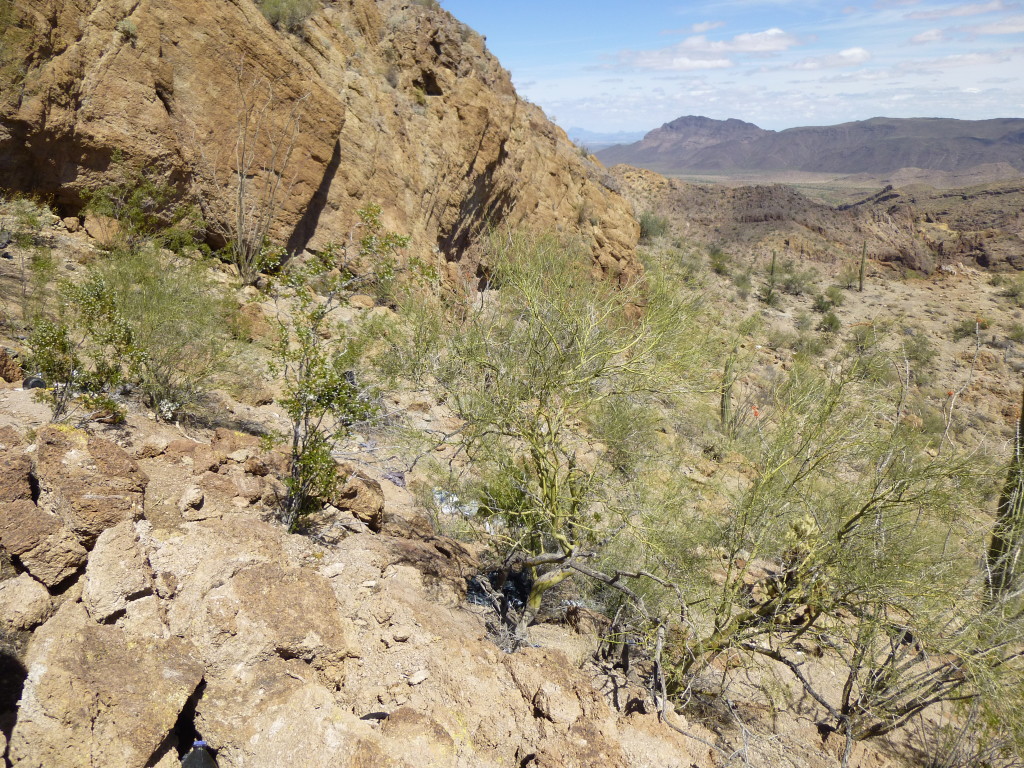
(920, 228)
(389, 102)
(144, 601)
(879, 145)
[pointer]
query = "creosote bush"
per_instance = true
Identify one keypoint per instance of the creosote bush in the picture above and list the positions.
(652, 226)
(288, 15)
(315, 359)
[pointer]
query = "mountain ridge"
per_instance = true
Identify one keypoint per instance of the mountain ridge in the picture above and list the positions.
(877, 145)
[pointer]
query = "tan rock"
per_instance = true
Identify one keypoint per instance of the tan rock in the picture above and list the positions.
(117, 573)
(152, 446)
(45, 546)
(71, 223)
(91, 483)
(10, 367)
(361, 496)
(558, 706)
(192, 498)
(93, 691)
(274, 713)
(362, 301)
(103, 229)
(24, 603)
(15, 476)
(268, 611)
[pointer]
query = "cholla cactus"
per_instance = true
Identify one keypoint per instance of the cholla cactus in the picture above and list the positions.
(1005, 550)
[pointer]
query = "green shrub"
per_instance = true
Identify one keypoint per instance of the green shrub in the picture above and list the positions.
(1014, 289)
(821, 304)
(652, 226)
(969, 327)
(179, 327)
(829, 323)
(288, 14)
(1015, 333)
(85, 354)
(835, 295)
(796, 281)
(719, 260)
(146, 208)
(743, 282)
(918, 349)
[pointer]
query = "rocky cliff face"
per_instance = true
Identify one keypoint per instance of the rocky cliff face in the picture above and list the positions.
(378, 101)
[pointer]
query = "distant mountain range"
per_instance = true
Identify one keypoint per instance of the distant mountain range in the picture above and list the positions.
(595, 140)
(879, 145)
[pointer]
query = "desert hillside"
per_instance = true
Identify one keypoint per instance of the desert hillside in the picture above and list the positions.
(351, 416)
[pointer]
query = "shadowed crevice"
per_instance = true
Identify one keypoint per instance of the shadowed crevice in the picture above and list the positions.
(306, 226)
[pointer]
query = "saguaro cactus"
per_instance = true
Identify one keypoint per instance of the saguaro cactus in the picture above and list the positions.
(1005, 560)
(728, 378)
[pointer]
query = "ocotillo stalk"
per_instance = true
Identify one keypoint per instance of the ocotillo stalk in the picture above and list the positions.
(863, 267)
(1005, 549)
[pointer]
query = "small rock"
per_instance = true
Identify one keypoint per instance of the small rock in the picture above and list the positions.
(257, 467)
(103, 229)
(192, 498)
(418, 677)
(240, 456)
(362, 301)
(24, 603)
(401, 634)
(152, 446)
(71, 223)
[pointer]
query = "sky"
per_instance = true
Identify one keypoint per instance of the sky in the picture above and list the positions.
(612, 65)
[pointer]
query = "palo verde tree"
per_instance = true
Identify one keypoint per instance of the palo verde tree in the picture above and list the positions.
(546, 355)
(848, 537)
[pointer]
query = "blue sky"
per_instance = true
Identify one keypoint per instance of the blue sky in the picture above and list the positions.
(613, 66)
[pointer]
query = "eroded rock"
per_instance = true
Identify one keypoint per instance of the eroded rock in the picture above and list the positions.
(24, 603)
(117, 572)
(97, 697)
(89, 482)
(41, 542)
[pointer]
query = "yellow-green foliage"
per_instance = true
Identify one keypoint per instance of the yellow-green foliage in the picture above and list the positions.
(288, 14)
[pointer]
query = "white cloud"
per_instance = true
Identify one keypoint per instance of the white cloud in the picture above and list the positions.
(698, 52)
(930, 36)
(670, 60)
(850, 57)
(706, 26)
(1011, 25)
(967, 9)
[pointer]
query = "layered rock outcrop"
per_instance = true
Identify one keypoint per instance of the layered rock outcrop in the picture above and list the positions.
(376, 101)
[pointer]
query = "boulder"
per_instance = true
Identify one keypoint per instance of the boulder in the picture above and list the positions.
(117, 573)
(15, 477)
(89, 482)
(94, 697)
(10, 367)
(24, 604)
(361, 496)
(42, 543)
(274, 714)
(268, 611)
